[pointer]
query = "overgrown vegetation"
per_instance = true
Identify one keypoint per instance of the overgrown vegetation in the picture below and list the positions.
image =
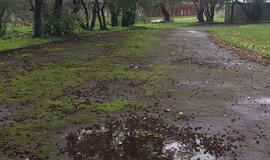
(253, 38)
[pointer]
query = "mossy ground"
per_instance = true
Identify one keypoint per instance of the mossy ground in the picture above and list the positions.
(35, 93)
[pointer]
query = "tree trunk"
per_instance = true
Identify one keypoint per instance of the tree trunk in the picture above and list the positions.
(125, 17)
(167, 16)
(114, 16)
(86, 27)
(132, 18)
(207, 13)
(94, 16)
(200, 11)
(3, 23)
(99, 16)
(37, 18)
(232, 12)
(76, 6)
(104, 27)
(200, 16)
(58, 4)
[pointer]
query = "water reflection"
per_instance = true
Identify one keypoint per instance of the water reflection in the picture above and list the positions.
(142, 138)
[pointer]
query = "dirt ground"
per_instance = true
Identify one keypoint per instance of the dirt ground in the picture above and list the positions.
(231, 93)
(223, 95)
(220, 94)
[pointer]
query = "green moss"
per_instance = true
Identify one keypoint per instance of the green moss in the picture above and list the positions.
(178, 116)
(38, 89)
(118, 105)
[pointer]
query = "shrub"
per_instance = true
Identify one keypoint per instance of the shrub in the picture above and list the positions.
(59, 23)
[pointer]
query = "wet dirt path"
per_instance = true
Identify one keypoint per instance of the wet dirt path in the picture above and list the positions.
(212, 91)
(229, 95)
(208, 89)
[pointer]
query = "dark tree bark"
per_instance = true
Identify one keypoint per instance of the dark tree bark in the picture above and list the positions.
(232, 12)
(31, 5)
(58, 4)
(167, 16)
(104, 27)
(37, 18)
(114, 14)
(125, 17)
(3, 24)
(76, 6)
(200, 11)
(209, 10)
(86, 27)
(99, 16)
(129, 14)
(94, 16)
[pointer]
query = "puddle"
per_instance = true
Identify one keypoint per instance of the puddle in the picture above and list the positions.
(193, 32)
(143, 138)
(264, 100)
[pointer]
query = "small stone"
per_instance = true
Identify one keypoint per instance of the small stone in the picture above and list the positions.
(168, 110)
(180, 113)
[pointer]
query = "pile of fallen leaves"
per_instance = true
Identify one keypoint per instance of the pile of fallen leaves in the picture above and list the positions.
(138, 137)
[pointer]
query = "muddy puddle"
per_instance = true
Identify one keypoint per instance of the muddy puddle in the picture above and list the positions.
(143, 138)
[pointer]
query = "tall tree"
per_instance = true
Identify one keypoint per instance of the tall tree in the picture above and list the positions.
(86, 27)
(162, 4)
(200, 9)
(128, 8)
(114, 8)
(102, 10)
(94, 14)
(209, 9)
(37, 18)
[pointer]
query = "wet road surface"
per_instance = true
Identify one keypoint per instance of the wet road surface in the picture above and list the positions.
(221, 93)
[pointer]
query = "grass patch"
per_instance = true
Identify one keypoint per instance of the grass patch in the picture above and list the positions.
(37, 91)
(176, 22)
(255, 38)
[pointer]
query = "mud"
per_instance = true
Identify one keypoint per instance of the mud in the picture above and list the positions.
(220, 95)
(146, 138)
(232, 92)
(107, 90)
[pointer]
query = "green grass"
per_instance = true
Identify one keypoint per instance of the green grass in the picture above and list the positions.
(255, 38)
(176, 22)
(21, 36)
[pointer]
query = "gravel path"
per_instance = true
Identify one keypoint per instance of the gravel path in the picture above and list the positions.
(232, 95)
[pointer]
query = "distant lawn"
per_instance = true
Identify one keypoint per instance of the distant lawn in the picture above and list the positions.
(255, 38)
(21, 36)
(176, 22)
